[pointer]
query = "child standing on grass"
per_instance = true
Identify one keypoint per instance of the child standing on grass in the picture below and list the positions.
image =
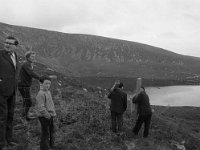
(46, 111)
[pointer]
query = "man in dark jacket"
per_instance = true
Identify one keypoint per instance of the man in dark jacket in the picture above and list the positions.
(25, 81)
(8, 83)
(144, 112)
(118, 106)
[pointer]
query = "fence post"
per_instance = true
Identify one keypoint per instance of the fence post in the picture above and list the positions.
(138, 86)
(133, 107)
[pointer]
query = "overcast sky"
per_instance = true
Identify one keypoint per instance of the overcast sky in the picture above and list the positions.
(170, 24)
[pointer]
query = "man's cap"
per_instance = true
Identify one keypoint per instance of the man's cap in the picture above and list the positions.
(143, 88)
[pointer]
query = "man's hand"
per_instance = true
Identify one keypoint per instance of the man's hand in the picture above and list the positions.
(117, 82)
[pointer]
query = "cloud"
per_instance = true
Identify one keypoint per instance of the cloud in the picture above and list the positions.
(169, 35)
(153, 22)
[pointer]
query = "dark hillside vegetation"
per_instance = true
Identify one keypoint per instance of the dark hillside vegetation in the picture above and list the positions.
(95, 56)
(83, 122)
(84, 62)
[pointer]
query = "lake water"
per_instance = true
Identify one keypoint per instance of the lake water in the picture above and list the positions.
(174, 95)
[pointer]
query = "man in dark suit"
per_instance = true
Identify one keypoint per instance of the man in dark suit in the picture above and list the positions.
(25, 80)
(8, 82)
(144, 112)
(118, 106)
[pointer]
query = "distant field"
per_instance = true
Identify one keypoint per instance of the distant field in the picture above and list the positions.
(161, 92)
(130, 83)
(175, 95)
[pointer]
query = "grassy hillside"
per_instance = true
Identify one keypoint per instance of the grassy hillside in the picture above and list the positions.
(90, 55)
(83, 122)
(83, 116)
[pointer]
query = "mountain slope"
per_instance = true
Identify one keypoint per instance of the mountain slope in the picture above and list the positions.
(88, 55)
(83, 122)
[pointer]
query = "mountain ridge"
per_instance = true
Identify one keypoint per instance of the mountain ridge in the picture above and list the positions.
(83, 121)
(90, 55)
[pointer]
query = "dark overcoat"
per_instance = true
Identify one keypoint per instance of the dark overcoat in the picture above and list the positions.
(8, 74)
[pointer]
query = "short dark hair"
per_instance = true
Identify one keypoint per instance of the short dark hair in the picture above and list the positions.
(121, 85)
(143, 88)
(43, 78)
(29, 53)
(13, 38)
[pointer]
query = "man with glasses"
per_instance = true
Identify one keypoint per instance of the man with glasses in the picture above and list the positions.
(8, 82)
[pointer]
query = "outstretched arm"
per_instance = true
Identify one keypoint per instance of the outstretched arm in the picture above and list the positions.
(112, 89)
(136, 98)
(109, 94)
(30, 71)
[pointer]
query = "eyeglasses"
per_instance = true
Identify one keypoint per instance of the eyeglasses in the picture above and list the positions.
(11, 43)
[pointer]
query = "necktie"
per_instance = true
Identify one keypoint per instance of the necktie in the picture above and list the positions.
(12, 56)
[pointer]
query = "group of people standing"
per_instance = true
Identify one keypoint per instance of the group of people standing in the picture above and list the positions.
(118, 106)
(13, 75)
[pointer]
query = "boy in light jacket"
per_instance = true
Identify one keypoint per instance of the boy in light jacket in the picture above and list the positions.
(46, 113)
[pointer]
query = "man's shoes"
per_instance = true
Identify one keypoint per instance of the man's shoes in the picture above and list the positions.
(4, 148)
(12, 144)
(28, 119)
(113, 130)
(120, 133)
(135, 136)
(52, 147)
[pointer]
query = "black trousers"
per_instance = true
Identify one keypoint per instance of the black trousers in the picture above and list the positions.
(117, 121)
(146, 119)
(7, 105)
(47, 135)
(27, 102)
